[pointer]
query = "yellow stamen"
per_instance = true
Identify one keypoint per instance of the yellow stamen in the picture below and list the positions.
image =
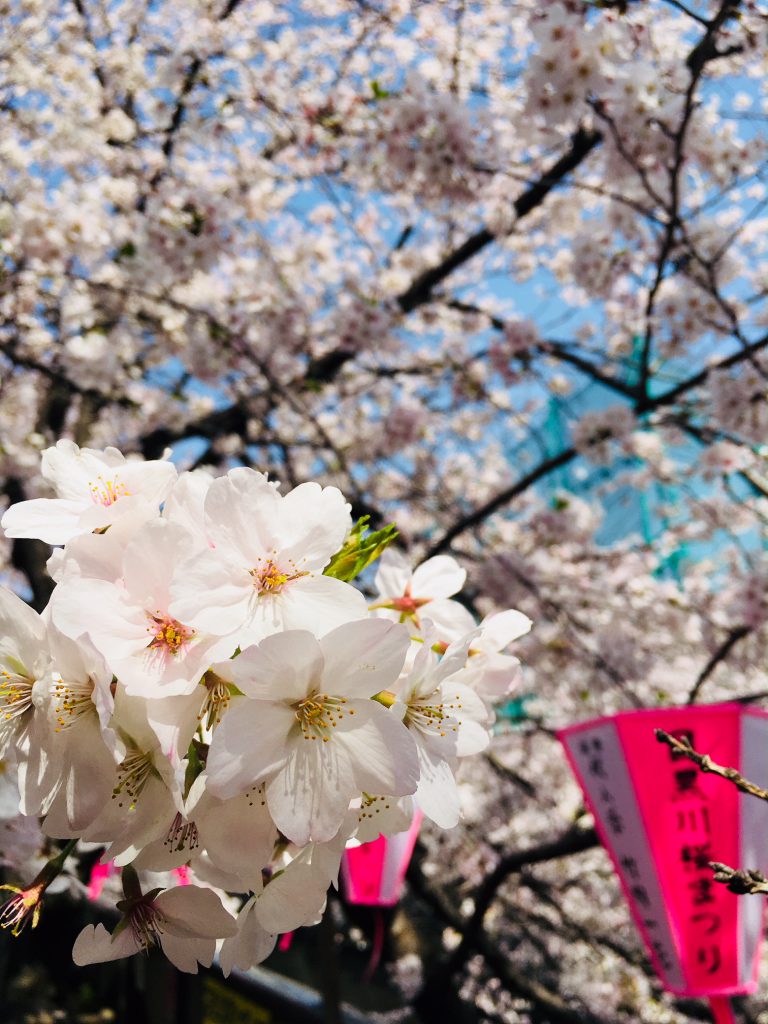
(216, 700)
(72, 701)
(270, 578)
(133, 773)
(15, 695)
(318, 714)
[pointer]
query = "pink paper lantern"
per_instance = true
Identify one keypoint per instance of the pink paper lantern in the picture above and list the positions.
(100, 874)
(662, 822)
(374, 873)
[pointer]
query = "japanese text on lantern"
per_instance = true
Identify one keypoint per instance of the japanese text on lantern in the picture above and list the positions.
(599, 761)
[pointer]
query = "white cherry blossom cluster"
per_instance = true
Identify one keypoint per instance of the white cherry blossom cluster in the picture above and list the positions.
(206, 688)
(428, 142)
(412, 250)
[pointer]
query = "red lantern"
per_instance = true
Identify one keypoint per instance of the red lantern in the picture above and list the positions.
(663, 821)
(374, 872)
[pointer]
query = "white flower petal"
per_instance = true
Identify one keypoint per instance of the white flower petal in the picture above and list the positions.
(249, 744)
(240, 511)
(320, 604)
(364, 657)
(185, 504)
(185, 953)
(292, 899)
(238, 834)
(393, 574)
(22, 632)
(441, 576)
(437, 794)
(285, 666)
(70, 468)
(95, 945)
(252, 944)
(53, 520)
(193, 911)
(151, 559)
(381, 750)
(450, 619)
(502, 628)
(309, 797)
(174, 720)
(151, 481)
(102, 610)
(211, 594)
(312, 522)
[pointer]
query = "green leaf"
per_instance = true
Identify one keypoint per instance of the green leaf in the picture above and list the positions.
(378, 92)
(196, 756)
(126, 251)
(360, 549)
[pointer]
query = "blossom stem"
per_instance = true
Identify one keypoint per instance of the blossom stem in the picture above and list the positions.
(131, 884)
(25, 904)
(56, 864)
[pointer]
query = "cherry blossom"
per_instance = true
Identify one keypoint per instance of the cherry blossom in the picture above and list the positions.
(264, 571)
(185, 922)
(94, 488)
(149, 650)
(24, 665)
(447, 720)
(307, 726)
(407, 596)
(74, 782)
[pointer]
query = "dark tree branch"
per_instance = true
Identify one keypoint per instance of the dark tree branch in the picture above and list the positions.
(420, 291)
(719, 655)
(482, 512)
(671, 396)
(232, 420)
(180, 107)
(436, 993)
(557, 350)
(744, 883)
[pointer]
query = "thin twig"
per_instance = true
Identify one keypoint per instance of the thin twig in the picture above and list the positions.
(705, 763)
(743, 883)
(736, 634)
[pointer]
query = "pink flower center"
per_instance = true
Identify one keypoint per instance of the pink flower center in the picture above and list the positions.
(106, 492)
(168, 634)
(21, 908)
(406, 604)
